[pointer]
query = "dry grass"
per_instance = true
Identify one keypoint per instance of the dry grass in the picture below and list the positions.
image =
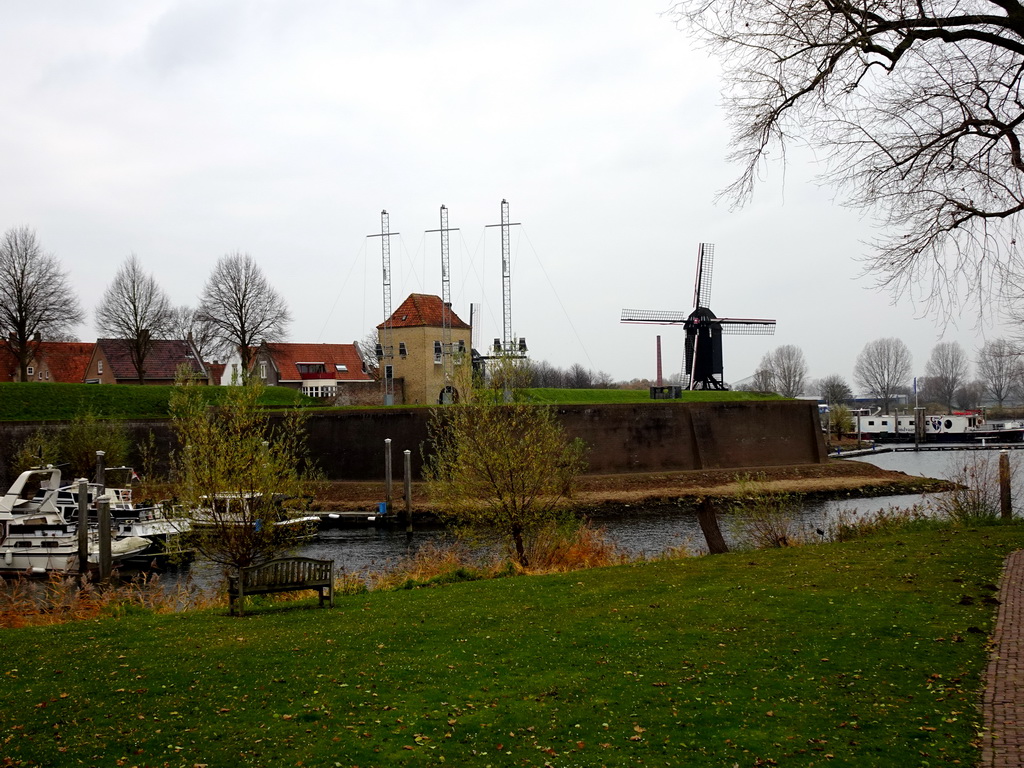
(63, 598)
(572, 547)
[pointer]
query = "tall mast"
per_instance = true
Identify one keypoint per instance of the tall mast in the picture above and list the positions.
(447, 360)
(386, 349)
(508, 345)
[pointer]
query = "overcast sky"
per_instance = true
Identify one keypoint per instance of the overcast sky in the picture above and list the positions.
(181, 131)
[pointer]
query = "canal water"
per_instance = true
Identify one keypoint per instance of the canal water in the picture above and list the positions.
(650, 530)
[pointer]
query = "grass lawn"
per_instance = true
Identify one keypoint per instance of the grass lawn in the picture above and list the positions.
(857, 654)
(45, 402)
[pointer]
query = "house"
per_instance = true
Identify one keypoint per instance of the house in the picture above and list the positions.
(58, 361)
(334, 371)
(417, 354)
(111, 363)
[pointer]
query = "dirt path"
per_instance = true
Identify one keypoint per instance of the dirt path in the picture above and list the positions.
(837, 477)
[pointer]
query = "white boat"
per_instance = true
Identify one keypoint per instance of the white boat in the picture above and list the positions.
(128, 520)
(962, 427)
(34, 535)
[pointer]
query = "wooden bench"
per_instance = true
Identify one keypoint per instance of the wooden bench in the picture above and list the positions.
(285, 574)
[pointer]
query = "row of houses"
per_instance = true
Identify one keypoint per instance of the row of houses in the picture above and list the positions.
(336, 372)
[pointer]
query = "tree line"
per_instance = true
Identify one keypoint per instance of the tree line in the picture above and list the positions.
(237, 308)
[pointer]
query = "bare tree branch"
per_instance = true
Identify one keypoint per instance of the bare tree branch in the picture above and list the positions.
(36, 299)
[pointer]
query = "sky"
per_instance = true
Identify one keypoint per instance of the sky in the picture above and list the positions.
(182, 131)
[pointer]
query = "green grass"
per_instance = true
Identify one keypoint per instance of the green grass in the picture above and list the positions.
(855, 654)
(54, 402)
(589, 396)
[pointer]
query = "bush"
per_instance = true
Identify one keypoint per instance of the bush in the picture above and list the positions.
(763, 518)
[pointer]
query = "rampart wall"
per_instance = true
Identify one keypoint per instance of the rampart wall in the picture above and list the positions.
(660, 436)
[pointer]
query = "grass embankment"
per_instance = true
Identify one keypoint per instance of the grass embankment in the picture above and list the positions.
(596, 396)
(863, 653)
(55, 402)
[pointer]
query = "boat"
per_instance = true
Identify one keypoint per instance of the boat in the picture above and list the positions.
(230, 509)
(957, 427)
(149, 522)
(36, 538)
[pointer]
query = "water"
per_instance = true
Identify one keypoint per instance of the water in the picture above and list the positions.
(638, 531)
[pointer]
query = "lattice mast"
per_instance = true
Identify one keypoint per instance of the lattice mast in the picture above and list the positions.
(508, 342)
(386, 347)
(447, 351)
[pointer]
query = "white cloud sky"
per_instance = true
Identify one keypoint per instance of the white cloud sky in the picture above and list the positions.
(182, 131)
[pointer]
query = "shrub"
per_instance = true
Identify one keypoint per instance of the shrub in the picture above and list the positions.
(763, 518)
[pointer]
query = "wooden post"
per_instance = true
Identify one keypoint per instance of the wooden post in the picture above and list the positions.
(1005, 502)
(101, 475)
(83, 526)
(387, 475)
(407, 455)
(709, 525)
(103, 507)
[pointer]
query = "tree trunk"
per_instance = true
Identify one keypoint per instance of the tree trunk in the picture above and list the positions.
(709, 525)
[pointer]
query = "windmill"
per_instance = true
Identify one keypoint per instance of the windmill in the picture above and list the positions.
(703, 357)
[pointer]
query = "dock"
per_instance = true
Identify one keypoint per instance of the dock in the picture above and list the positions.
(904, 447)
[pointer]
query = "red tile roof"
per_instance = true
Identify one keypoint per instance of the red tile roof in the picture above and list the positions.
(68, 361)
(161, 363)
(422, 310)
(287, 356)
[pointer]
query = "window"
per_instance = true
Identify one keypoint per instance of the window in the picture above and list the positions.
(263, 370)
(437, 353)
(31, 371)
(311, 367)
(341, 368)
(389, 372)
(47, 375)
(99, 366)
(871, 423)
(462, 346)
(402, 349)
(40, 374)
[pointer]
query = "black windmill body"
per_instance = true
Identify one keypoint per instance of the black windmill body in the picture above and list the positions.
(702, 362)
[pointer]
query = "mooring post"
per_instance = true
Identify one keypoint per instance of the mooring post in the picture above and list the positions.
(101, 479)
(1005, 501)
(407, 456)
(103, 509)
(387, 475)
(83, 526)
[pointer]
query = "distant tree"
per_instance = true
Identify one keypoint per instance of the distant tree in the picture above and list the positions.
(186, 322)
(947, 370)
(367, 347)
(840, 420)
(763, 379)
(136, 310)
(37, 302)
(783, 370)
(544, 374)
(242, 306)
(999, 368)
(882, 369)
(834, 389)
(579, 377)
(603, 380)
(968, 396)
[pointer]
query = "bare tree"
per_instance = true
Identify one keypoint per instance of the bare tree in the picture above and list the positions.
(834, 389)
(916, 107)
(36, 299)
(367, 347)
(579, 377)
(136, 310)
(947, 371)
(186, 322)
(882, 369)
(783, 370)
(968, 396)
(999, 369)
(242, 306)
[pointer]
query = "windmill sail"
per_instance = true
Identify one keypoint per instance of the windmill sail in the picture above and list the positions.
(702, 285)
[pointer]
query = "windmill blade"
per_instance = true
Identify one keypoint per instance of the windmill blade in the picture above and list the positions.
(736, 326)
(702, 285)
(654, 316)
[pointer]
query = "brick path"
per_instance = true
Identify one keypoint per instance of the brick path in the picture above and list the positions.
(1003, 700)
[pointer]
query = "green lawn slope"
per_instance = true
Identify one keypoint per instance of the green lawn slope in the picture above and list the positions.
(53, 402)
(856, 654)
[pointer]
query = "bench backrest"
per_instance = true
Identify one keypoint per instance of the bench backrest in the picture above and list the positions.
(287, 570)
